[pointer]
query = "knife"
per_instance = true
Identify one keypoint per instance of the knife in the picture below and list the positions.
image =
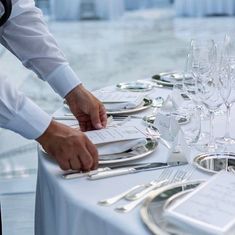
(131, 170)
(77, 174)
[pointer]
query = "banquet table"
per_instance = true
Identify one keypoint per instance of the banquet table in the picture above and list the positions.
(70, 206)
(204, 7)
(72, 10)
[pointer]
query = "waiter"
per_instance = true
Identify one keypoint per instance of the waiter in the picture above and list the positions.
(25, 34)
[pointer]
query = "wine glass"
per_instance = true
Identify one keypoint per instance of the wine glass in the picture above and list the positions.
(208, 89)
(227, 81)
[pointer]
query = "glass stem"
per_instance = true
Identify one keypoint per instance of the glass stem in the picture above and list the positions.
(212, 139)
(227, 127)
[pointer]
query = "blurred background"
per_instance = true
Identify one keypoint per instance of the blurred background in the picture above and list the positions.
(106, 42)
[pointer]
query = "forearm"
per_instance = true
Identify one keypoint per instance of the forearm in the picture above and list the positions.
(26, 35)
(20, 114)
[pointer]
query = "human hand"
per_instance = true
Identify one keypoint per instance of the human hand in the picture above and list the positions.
(89, 111)
(71, 148)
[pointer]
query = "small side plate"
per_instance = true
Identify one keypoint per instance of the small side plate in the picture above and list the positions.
(135, 86)
(215, 162)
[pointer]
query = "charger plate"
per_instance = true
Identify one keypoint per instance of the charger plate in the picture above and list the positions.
(215, 162)
(134, 86)
(145, 104)
(152, 211)
(131, 155)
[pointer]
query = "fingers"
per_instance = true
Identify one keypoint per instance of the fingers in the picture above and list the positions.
(103, 116)
(75, 163)
(94, 154)
(95, 118)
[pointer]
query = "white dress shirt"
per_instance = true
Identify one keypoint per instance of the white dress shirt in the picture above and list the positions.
(26, 35)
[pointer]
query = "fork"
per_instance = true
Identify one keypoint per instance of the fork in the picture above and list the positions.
(180, 175)
(112, 200)
(165, 175)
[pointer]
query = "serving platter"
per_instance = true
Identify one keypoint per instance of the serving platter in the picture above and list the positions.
(215, 162)
(135, 86)
(152, 211)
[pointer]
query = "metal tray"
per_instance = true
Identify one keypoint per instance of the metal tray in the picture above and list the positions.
(146, 103)
(135, 86)
(133, 154)
(215, 162)
(152, 211)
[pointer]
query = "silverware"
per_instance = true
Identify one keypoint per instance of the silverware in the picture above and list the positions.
(77, 174)
(112, 200)
(130, 206)
(154, 133)
(131, 170)
(165, 175)
(180, 175)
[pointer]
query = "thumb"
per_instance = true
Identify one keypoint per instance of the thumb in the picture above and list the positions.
(95, 119)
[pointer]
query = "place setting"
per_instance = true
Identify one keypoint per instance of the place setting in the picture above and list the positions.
(196, 159)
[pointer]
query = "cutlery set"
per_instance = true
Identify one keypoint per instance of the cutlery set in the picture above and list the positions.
(107, 172)
(139, 193)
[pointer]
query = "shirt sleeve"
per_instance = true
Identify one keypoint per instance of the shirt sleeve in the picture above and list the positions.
(26, 35)
(19, 114)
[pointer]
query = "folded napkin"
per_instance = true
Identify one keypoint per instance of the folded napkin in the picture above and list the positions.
(120, 146)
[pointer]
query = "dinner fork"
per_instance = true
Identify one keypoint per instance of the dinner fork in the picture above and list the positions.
(165, 175)
(178, 177)
(112, 200)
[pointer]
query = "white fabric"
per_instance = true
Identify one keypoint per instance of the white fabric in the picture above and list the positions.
(70, 206)
(119, 147)
(26, 35)
(204, 7)
(71, 10)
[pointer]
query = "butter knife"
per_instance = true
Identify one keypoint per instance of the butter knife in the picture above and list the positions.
(131, 170)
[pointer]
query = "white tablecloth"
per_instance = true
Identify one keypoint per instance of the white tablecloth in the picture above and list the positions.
(71, 10)
(204, 7)
(70, 206)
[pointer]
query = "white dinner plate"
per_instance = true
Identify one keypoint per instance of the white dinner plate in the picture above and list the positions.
(152, 211)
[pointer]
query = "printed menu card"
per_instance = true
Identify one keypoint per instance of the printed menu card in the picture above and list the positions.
(209, 209)
(114, 134)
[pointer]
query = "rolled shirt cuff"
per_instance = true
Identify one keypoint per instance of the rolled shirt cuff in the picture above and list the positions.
(31, 121)
(63, 79)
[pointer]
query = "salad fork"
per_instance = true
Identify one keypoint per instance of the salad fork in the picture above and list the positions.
(164, 176)
(180, 175)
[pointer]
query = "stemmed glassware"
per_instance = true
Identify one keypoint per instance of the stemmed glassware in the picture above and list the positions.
(227, 81)
(207, 83)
